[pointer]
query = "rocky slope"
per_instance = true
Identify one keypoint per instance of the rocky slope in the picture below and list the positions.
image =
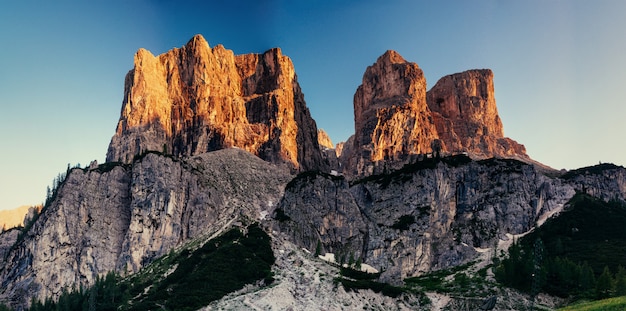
(395, 117)
(195, 99)
(431, 215)
(121, 217)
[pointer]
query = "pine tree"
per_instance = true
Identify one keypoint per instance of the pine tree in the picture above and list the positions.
(620, 282)
(604, 285)
(318, 248)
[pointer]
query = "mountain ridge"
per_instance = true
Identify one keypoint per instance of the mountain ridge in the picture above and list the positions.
(209, 141)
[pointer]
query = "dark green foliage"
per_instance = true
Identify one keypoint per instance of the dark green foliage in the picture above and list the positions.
(590, 170)
(404, 222)
(620, 282)
(358, 274)
(318, 248)
(219, 267)
(352, 279)
(453, 281)
(105, 295)
(383, 288)
(222, 265)
(604, 285)
(4, 308)
(589, 236)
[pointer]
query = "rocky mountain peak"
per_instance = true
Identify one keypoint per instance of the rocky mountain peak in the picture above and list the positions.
(395, 117)
(390, 113)
(463, 107)
(195, 99)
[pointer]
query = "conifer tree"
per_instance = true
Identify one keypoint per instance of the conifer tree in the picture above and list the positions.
(604, 285)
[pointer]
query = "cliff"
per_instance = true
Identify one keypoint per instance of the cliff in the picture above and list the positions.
(121, 217)
(390, 113)
(431, 215)
(196, 99)
(463, 108)
(396, 118)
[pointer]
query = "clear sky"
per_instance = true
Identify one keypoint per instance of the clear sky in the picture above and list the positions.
(559, 68)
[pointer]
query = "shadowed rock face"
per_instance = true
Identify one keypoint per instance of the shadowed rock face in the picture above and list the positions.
(121, 217)
(395, 117)
(195, 99)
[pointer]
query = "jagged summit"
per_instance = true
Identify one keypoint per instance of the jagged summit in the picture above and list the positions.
(195, 99)
(395, 117)
(391, 56)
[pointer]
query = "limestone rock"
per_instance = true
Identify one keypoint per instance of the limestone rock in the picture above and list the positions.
(195, 99)
(121, 217)
(463, 107)
(391, 116)
(395, 118)
(323, 139)
(432, 215)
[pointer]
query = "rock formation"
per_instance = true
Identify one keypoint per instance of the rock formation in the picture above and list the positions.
(463, 107)
(390, 113)
(323, 140)
(121, 217)
(170, 177)
(433, 214)
(395, 117)
(197, 99)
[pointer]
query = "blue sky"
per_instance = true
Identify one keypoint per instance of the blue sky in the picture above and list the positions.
(559, 68)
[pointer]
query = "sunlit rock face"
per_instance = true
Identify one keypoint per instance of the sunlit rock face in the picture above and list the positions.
(463, 107)
(390, 113)
(195, 99)
(395, 117)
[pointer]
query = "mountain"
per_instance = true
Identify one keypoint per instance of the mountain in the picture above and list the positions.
(13, 217)
(395, 117)
(213, 151)
(196, 99)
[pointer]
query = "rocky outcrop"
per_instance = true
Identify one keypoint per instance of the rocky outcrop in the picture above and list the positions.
(433, 214)
(390, 114)
(463, 107)
(395, 117)
(121, 217)
(604, 181)
(324, 140)
(196, 99)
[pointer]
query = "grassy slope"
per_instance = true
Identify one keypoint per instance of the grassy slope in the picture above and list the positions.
(611, 304)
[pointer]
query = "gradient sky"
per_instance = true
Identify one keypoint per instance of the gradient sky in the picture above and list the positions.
(559, 68)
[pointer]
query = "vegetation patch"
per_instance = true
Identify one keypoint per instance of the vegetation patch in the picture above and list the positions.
(578, 254)
(453, 280)
(352, 279)
(610, 304)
